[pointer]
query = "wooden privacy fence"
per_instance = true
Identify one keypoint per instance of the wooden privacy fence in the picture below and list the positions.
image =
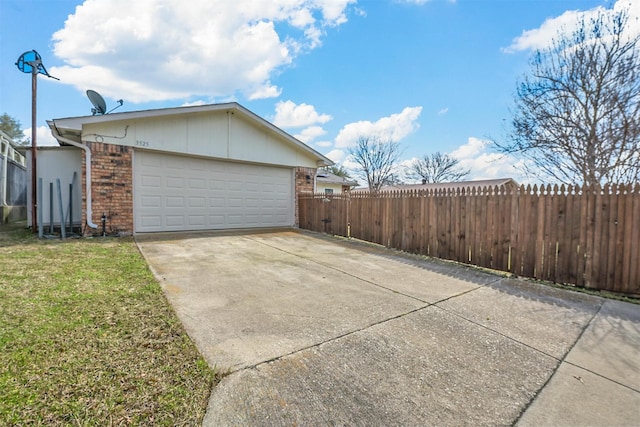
(586, 236)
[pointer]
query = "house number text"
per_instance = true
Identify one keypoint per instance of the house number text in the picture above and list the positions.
(142, 143)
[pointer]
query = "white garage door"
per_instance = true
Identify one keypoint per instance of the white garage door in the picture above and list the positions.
(173, 193)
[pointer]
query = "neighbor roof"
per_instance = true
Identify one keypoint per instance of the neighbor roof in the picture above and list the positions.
(71, 127)
(332, 178)
(448, 185)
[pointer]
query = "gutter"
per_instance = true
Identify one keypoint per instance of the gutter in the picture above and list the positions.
(87, 157)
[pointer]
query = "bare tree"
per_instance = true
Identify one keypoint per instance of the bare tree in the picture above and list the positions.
(376, 160)
(577, 113)
(437, 167)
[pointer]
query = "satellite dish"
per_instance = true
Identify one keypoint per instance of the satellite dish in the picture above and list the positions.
(99, 104)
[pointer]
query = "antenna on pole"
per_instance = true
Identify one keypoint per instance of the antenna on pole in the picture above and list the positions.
(99, 104)
(30, 62)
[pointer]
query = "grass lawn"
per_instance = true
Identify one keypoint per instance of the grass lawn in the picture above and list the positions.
(88, 338)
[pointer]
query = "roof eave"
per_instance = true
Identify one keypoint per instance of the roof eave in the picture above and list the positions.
(70, 124)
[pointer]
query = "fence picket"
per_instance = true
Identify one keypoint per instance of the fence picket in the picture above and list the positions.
(587, 236)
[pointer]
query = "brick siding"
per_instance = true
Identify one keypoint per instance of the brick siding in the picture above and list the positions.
(111, 188)
(305, 178)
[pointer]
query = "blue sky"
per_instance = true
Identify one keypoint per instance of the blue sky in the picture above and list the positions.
(436, 75)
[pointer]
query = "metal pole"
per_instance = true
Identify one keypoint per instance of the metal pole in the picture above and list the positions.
(51, 208)
(61, 209)
(40, 219)
(34, 175)
(70, 208)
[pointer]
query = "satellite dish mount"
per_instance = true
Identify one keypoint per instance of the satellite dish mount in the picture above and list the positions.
(99, 104)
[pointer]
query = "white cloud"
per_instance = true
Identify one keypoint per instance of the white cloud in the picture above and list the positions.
(350, 165)
(443, 111)
(472, 148)
(309, 134)
(333, 11)
(336, 155)
(394, 127)
(171, 49)
(324, 144)
(417, 2)
(421, 2)
(484, 164)
(193, 104)
(541, 37)
(265, 91)
(44, 138)
(292, 115)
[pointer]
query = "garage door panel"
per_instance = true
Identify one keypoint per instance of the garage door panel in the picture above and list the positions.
(197, 220)
(175, 220)
(181, 193)
(151, 201)
(197, 183)
(151, 181)
(216, 202)
(216, 185)
(175, 162)
(197, 202)
(151, 221)
(175, 182)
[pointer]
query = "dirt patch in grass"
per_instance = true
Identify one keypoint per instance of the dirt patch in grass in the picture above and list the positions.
(88, 338)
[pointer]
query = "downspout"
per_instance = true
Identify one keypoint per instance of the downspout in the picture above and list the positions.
(315, 182)
(87, 160)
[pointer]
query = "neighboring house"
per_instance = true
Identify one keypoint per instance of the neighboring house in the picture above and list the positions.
(204, 167)
(329, 183)
(507, 183)
(13, 181)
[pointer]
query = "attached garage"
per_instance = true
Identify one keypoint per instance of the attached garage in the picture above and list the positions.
(187, 193)
(208, 167)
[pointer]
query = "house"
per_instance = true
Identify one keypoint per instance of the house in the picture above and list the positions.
(13, 181)
(507, 183)
(329, 183)
(206, 167)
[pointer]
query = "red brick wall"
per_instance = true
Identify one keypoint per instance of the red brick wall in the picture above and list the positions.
(111, 188)
(305, 178)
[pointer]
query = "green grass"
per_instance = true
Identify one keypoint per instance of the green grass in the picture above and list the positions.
(88, 338)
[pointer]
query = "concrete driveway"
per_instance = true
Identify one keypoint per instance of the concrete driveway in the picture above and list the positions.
(316, 330)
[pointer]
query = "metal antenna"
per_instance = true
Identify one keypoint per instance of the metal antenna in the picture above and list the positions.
(31, 62)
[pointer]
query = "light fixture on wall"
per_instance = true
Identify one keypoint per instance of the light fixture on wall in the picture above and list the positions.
(308, 177)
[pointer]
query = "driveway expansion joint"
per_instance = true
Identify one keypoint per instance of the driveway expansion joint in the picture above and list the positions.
(332, 339)
(332, 267)
(560, 362)
(381, 322)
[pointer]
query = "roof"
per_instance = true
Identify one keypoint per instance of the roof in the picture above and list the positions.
(448, 185)
(331, 178)
(71, 127)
